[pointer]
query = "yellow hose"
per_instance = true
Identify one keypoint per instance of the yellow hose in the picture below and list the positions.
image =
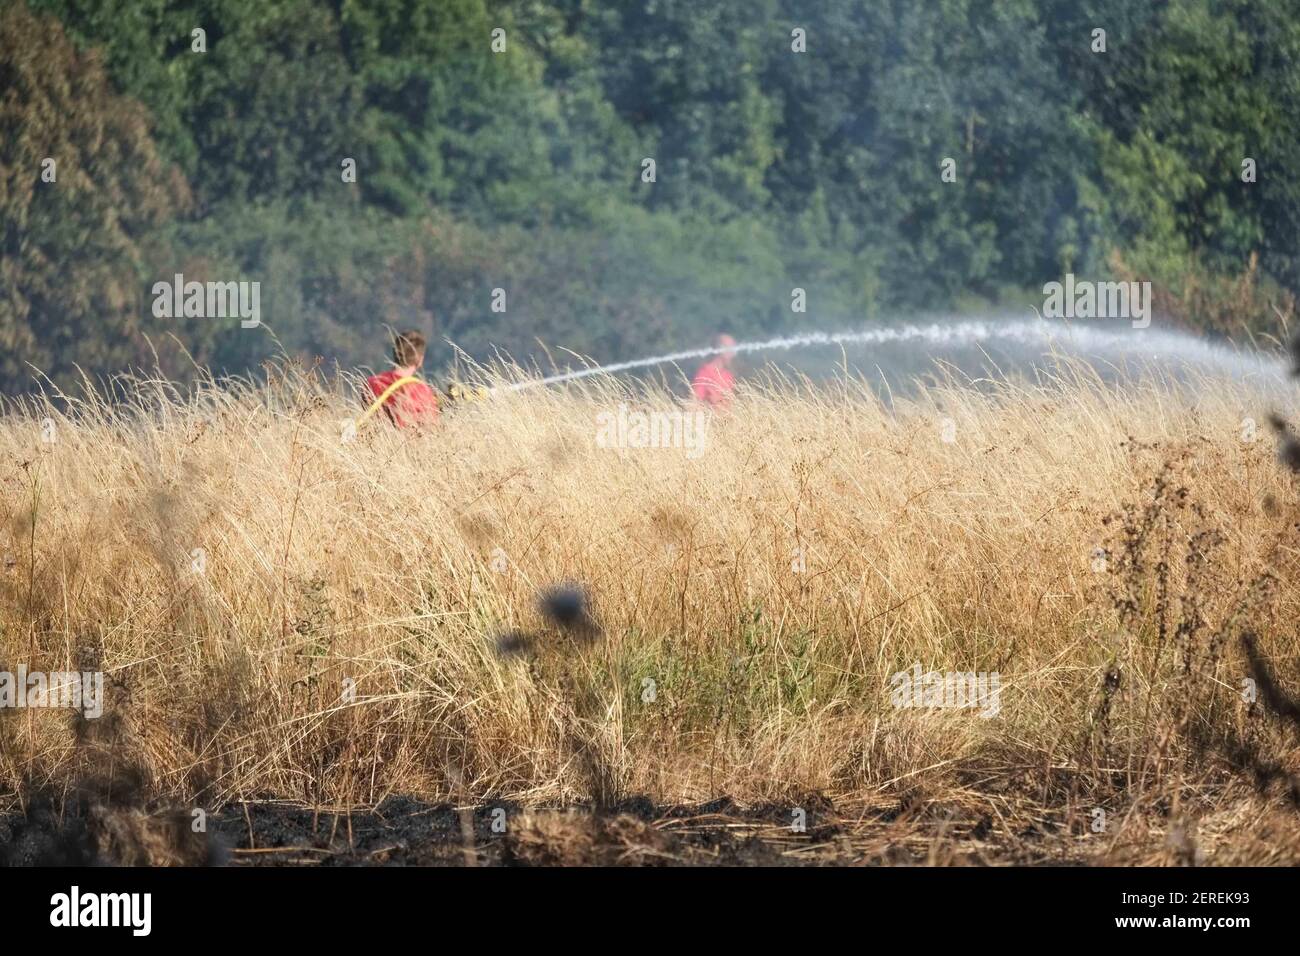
(383, 397)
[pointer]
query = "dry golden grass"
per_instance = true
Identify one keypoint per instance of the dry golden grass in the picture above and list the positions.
(234, 567)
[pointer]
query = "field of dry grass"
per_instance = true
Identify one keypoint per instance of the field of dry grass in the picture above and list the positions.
(283, 613)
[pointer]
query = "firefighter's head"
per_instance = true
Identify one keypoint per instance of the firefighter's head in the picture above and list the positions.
(408, 349)
(726, 348)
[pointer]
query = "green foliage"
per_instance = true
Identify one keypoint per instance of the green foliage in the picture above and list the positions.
(73, 249)
(521, 169)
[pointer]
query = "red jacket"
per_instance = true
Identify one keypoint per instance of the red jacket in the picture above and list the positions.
(415, 403)
(713, 384)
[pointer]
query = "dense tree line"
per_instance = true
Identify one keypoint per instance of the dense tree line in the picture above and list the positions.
(794, 145)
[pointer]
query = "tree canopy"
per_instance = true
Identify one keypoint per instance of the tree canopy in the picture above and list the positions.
(885, 156)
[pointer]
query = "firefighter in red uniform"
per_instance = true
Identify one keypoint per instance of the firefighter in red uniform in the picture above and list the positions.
(412, 403)
(714, 382)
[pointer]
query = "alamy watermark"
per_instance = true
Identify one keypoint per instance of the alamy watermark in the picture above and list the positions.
(76, 690)
(1084, 299)
(968, 690)
(678, 428)
(130, 910)
(208, 300)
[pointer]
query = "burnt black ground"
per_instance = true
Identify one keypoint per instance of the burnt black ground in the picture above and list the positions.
(404, 831)
(86, 830)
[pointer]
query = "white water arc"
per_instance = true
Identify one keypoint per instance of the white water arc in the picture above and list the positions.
(1123, 341)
